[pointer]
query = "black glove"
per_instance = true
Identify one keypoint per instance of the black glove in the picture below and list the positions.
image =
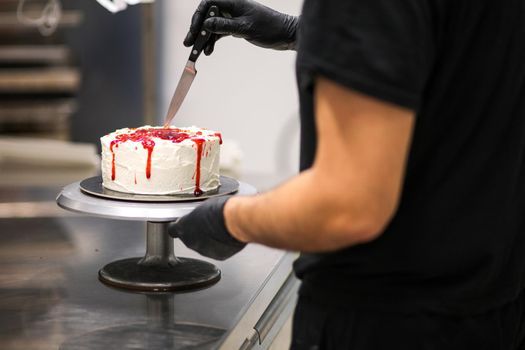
(247, 19)
(204, 230)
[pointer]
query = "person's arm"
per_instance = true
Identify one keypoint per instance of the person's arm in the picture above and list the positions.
(346, 198)
(351, 192)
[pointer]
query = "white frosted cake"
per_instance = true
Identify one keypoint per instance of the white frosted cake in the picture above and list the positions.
(158, 160)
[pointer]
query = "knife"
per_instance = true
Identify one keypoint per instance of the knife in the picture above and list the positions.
(189, 72)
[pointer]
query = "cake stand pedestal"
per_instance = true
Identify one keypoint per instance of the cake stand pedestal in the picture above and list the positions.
(159, 270)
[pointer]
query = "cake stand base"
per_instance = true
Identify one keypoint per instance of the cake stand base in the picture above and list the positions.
(184, 274)
(159, 270)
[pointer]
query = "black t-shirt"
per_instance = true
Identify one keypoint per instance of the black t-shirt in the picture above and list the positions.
(457, 242)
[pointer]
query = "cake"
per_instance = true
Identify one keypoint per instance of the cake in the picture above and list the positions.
(161, 160)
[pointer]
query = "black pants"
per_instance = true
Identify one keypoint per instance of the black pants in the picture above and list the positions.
(320, 327)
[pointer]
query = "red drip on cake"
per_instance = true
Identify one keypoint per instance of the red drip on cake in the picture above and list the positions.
(199, 143)
(113, 143)
(149, 145)
(145, 136)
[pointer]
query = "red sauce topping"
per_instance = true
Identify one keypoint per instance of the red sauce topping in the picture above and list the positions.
(113, 143)
(199, 143)
(220, 137)
(149, 145)
(145, 136)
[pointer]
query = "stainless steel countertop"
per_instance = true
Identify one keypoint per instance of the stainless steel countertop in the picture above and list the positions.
(50, 296)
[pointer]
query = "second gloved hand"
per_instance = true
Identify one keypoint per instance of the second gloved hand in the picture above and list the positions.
(204, 230)
(247, 19)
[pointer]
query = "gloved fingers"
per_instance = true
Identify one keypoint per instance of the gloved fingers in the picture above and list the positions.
(209, 247)
(204, 230)
(200, 13)
(210, 46)
(203, 244)
(217, 251)
(225, 26)
(173, 229)
(189, 40)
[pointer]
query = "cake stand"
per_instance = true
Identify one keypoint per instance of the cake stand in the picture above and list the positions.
(159, 270)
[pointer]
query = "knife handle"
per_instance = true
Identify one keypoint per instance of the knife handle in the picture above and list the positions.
(204, 35)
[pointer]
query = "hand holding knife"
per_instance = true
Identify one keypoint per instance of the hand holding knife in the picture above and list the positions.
(189, 72)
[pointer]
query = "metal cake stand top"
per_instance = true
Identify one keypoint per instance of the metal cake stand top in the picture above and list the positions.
(73, 199)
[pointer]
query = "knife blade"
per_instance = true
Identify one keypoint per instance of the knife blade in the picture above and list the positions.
(190, 72)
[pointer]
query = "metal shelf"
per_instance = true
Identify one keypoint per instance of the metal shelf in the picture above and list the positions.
(39, 80)
(41, 54)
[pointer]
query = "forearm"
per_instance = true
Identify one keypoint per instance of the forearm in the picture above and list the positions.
(304, 214)
(345, 198)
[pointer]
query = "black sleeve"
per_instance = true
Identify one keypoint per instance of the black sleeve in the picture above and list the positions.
(383, 48)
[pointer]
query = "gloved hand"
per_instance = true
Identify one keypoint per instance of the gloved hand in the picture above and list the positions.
(247, 19)
(204, 231)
